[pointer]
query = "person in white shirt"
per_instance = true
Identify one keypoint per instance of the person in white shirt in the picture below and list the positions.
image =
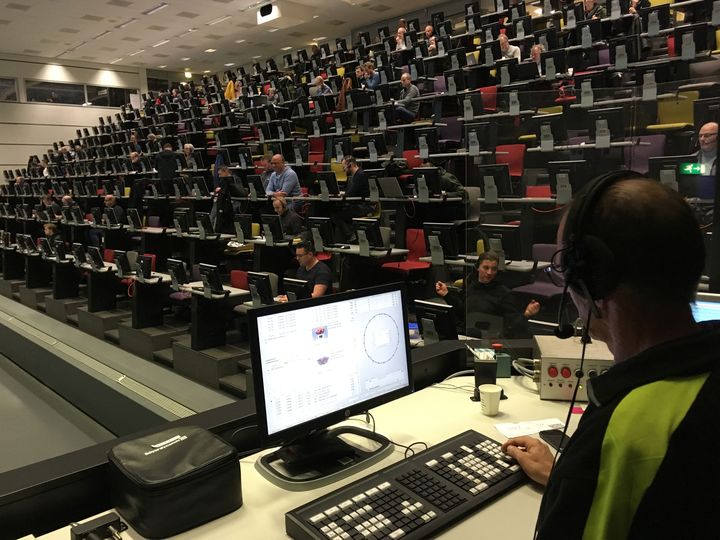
(707, 155)
(535, 53)
(506, 50)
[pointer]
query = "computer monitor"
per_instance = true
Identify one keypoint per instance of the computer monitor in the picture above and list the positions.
(145, 266)
(297, 289)
(577, 171)
(330, 181)
(444, 28)
(706, 110)
(371, 228)
(45, 247)
(203, 219)
(699, 34)
(288, 60)
(133, 218)
(259, 284)
(345, 144)
(559, 58)
(274, 222)
(60, 250)
(30, 245)
(595, 27)
(436, 321)
(503, 237)
(79, 253)
(210, 274)
(177, 268)
(525, 23)
(378, 139)
(325, 227)
(706, 307)
(516, 11)
(491, 30)
(670, 163)
(614, 116)
(349, 351)
(448, 236)
(547, 37)
(430, 135)
(493, 47)
(457, 76)
(121, 260)
(662, 70)
(77, 214)
(473, 23)
(95, 257)
(459, 56)
(500, 172)
(556, 121)
(662, 12)
(484, 132)
(364, 39)
(472, 8)
(245, 222)
(632, 48)
(181, 220)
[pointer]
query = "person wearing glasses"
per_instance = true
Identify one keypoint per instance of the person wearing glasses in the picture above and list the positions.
(312, 270)
(707, 154)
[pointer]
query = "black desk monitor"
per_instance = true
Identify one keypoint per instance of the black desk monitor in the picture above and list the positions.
(345, 144)
(577, 171)
(30, 245)
(525, 71)
(699, 37)
(77, 214)
(325, 50)
(287, 60)
(378, 139)
(516, 11)
(456, 75)
(330, 181)
(356, 336)
(444, 28)
(557, 125)
(432, 179)
(301, 148)
(494, 30)
(302, 56)
(134, 218)
(245, 222)
(371, 228)
(662, 70)
(493, 47)
(211, 275)
(45, 247)
(260, 281)
(632, 48)
(95, 256)
(507, 236)
(511, 64)
(181, 219)
(459, 55)
(413, 25)
(245, 158)
(663, 14)
(577, 10)
(500, 172)
(297, 289)
(448, 235)
(706, 110)
(325, 227)
(597, 80)
(256, 181)
(383, 33)
(473, 23)
(79, 253)
(121, 260)
(177, 268)
(559, 58)
(471, 8)
(436, 321)
(672, 163)
(360, 98)
(364, 38)
(60, 250)
(526, 24)
(484, 132)
(203, 218)
(430, 134)
(548, 38)
(111, 214)
(595, 27)
(275, 223)
(614, 118)
(145, 266)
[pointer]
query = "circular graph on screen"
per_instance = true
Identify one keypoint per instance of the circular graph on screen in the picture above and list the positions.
(381, 338)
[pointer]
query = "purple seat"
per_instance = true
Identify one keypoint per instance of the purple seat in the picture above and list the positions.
(542, 287)
(450, 135)
(439, 84)
(153, 221)
(636, 156)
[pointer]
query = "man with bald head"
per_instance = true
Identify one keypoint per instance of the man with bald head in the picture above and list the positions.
(707, 155)
(623, 472)
(405, 108)
(283, 180)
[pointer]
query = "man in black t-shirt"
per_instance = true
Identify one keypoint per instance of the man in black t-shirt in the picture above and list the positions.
(311, 270)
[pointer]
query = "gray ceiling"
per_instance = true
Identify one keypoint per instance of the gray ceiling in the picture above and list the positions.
(90, 30)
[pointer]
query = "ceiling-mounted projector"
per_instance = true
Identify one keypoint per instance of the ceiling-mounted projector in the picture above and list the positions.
(267, 13)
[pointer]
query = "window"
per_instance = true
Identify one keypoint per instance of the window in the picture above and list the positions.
(109, 97)
(8, 90)
(49, 92)
(158, 85)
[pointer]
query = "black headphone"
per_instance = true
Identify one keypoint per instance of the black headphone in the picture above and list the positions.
(588, 264)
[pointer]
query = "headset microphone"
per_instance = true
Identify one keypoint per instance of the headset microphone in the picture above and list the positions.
(564, 329)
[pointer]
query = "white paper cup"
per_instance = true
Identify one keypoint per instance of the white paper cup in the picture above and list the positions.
(489, 398)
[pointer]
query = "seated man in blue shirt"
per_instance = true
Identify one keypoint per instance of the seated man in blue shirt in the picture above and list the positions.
(315, 272)
(283, 180)
(372, 77)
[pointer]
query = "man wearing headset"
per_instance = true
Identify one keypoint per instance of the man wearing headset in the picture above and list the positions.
(622, 474)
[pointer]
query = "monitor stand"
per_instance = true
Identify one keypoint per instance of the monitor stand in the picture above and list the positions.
(430, 334)
(323, 458)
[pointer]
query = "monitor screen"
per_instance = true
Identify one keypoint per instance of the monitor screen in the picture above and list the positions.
(79, 253)
(500, 172)
(325, 227)
(317, 362)
(60, 250)
(706, 307)
(177, 268)
(134, 218)
(614, 118)
(578, 173)
(245, 222)
(259, 284)
(447, 235)
(209, 273)
(297, 289)
(274, 223)
(203, 219)
(435, 320)
(95, 257)
(371, 228)
(121, 260)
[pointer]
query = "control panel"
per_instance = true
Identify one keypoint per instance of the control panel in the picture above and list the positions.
(560, 366)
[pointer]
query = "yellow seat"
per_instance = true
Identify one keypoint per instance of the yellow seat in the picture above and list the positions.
(341, 71)
(654, 3)
(675, 114)
(476, 40)
(550, 110)
(717, 41)
(527, 138)
(337, 168)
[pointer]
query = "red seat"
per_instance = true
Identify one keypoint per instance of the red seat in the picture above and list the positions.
(415, 242)
(514, 156)
(239, 279)
(540, 192)
(315, 157)
(109, 255)
(489, 98)
(317, 145)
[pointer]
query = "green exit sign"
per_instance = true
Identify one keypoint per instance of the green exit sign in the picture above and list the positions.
(691, 168)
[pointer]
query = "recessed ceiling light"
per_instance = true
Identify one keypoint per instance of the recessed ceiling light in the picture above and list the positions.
(210, 50)
(163, 42)
(319, 38)
(152, 11)
(188, 75)
(137, 52)
(101, 34)
(230, 64)
(256, 57)
(206, 71)
(116, 61)
(185, 59)
(239, 41)
(273, 29)
(126, 23)
(316, 16)
(219, 20)
(285, 48)
(162, 67)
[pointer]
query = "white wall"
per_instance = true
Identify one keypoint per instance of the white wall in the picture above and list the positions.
(31, 128)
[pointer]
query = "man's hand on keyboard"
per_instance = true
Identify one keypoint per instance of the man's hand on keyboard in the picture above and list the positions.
(532, 455)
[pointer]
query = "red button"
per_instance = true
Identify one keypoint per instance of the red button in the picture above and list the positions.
(552, 371)
(565, 372)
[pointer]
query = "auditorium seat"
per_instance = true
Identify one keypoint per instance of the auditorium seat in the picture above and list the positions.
(239, 279)
(637, 156)
(675, 114)
(415, 243)
(514, 156)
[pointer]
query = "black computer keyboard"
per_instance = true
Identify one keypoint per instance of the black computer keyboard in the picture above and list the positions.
(413, 498)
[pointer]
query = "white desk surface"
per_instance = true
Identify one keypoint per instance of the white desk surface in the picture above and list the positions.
(233, 292)
(514, 265)
(378, 253)
(431, 415)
